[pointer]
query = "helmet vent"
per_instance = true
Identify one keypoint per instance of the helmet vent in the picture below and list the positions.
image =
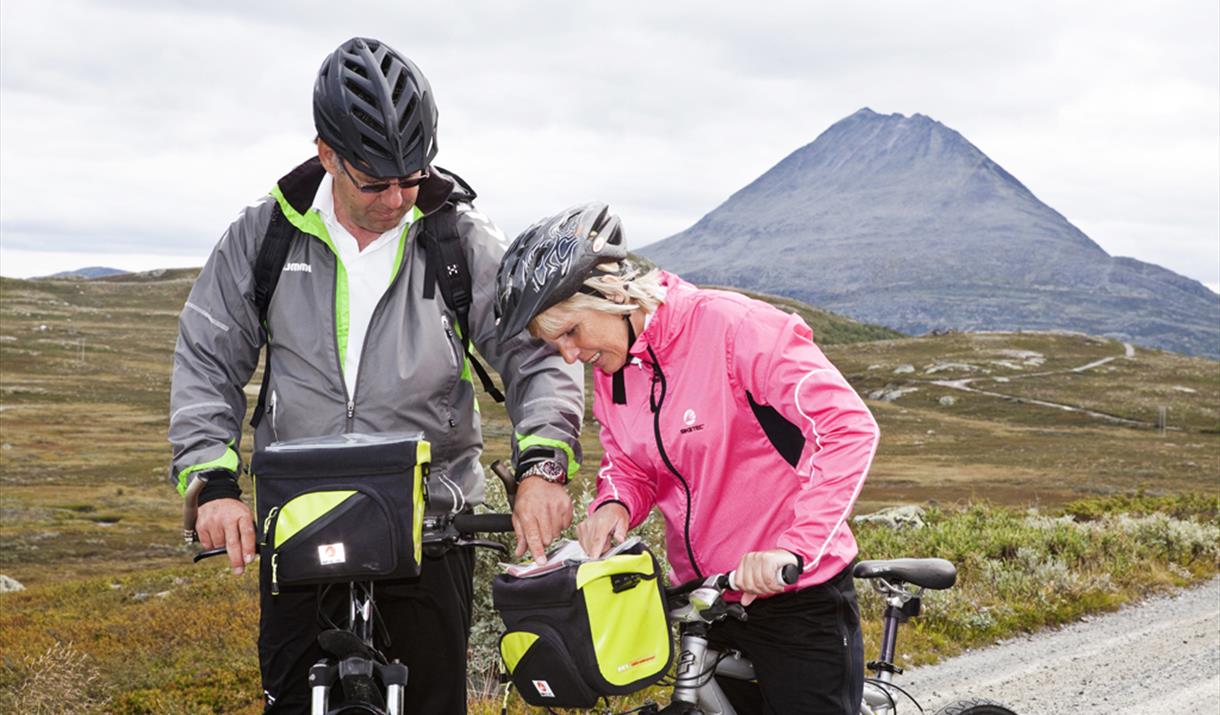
(362, 94)
(373, 147)
(368, 120)
(356, 68)
(399, 86)
(407, 112)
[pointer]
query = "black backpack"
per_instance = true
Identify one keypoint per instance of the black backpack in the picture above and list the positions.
(445, 264)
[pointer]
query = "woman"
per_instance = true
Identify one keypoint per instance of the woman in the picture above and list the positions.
(720, 411)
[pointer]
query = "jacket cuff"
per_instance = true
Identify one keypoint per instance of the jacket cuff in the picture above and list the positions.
(218, 485)
(599, 503)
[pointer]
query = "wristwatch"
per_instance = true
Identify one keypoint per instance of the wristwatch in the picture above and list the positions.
(548, 469)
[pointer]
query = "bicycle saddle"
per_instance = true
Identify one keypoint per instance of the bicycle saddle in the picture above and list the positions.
(929, 573)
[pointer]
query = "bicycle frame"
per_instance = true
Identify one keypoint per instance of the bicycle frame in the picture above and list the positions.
(698, 664)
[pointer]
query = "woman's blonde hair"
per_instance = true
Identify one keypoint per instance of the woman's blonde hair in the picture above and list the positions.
(621, 289)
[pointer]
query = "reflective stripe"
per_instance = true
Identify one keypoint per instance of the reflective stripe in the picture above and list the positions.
(216, 323)
(228, 461)
(524, 443)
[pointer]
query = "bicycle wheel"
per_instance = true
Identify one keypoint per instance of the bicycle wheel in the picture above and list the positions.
(976, 706)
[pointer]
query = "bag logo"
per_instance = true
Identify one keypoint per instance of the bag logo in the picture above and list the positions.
(635, 663)
(544, 689)
(297, 268)
(331, 554)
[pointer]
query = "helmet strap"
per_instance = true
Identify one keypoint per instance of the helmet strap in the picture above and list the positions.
(618, 383)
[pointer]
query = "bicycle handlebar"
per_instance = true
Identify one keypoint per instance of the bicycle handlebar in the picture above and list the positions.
(486, 523)
(444, 529)
(787, 575)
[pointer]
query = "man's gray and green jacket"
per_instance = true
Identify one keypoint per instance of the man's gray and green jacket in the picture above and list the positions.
(413, 374)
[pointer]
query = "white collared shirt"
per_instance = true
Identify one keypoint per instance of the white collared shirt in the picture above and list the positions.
(369, 273)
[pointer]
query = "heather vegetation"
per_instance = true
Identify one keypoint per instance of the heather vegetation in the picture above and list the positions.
(1049, 514)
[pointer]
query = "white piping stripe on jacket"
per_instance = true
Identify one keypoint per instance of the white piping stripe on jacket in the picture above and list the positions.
(859, 482)
(551, 399)
(207, 315)
(197, 406)
(604, 473)
(813, 425)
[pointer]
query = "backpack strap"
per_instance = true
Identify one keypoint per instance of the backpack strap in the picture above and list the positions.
(267, 270)
(446, 265)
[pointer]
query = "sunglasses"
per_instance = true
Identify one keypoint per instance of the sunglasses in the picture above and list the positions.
(376, 188)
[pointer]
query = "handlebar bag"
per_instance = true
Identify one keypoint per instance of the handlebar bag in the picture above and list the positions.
(341, 508)
(584, 631)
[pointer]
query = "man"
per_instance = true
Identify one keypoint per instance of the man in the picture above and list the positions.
(360, 341)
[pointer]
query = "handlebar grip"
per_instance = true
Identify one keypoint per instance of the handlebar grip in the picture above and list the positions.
(208, 553)
(486, 523)
(789, 574)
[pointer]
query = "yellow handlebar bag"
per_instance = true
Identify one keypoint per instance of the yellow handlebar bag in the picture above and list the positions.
(587, 630)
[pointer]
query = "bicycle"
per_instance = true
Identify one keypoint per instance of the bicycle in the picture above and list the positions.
(696, 605)
(367, 683)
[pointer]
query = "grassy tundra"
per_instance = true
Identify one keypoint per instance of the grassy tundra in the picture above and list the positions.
(1038, 459)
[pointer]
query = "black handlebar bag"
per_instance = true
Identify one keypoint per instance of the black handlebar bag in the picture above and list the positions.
(587, 630)
(341, 508)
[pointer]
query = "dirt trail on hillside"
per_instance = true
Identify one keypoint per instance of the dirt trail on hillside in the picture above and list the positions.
(1160, 656)
(963, 384)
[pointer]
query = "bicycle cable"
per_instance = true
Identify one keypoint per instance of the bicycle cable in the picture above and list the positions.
(884, 686)
(702, 678)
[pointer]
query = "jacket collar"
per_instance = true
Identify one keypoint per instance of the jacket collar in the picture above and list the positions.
(667, 321)
(300, 185)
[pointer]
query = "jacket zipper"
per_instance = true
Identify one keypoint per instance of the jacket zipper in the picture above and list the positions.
(453, 359)
(655, 403)
(351, 401)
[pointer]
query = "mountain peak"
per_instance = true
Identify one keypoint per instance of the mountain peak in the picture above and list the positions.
(901, 221)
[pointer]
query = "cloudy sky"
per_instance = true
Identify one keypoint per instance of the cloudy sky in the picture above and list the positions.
(131, 133)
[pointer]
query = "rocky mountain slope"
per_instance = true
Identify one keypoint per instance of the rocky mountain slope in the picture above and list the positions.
(902, 222)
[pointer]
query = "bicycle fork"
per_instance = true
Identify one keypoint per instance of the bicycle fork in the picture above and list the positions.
(356, 669)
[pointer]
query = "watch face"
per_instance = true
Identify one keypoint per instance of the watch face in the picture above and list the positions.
(551, 470)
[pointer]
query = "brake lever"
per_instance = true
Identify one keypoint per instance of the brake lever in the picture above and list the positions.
(485, 543)
(720, 609)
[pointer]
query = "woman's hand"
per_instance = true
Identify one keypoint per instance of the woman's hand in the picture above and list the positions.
(610, 520)
(758, 573)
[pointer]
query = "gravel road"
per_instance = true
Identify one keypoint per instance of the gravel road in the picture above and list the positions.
(1159, 656)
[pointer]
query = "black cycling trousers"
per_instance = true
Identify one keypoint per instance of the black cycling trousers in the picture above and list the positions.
(428, 620)
(807, 651)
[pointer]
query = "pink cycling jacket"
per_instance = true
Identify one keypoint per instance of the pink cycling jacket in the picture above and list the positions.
(769, 442)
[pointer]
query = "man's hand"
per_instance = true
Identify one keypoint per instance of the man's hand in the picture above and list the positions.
(541, 512)
(758, 573)
(228, 523)
(610, 520)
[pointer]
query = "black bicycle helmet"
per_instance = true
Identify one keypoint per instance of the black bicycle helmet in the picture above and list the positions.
(375, 109)
(550, 261)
